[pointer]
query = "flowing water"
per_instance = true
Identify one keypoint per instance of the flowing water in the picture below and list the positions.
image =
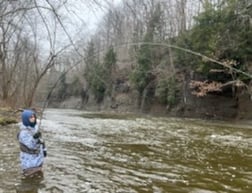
(99, 153)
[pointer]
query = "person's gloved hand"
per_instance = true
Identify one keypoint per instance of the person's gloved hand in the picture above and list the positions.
(37, 135)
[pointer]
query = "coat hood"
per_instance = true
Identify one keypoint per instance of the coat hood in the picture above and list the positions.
(26, 114)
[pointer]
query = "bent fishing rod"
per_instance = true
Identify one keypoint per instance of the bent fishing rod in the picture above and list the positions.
(206, 58)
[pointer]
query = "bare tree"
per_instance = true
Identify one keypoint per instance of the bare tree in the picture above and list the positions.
(31, 34)
(11, 33)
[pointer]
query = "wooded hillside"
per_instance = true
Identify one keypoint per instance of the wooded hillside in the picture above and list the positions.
(159, 52)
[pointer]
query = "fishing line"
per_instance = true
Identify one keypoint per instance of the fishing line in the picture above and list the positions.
(45, 104)
(206, 58)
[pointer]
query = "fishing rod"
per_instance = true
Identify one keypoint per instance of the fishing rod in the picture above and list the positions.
(206, 58)
(45, 104)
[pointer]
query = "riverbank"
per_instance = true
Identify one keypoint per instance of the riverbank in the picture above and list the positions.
(7, 116)
(210, 107)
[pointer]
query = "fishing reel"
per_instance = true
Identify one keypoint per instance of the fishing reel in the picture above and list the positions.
(38, 136)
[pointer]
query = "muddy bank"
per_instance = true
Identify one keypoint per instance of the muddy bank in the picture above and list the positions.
(8, 116)
(208, 107)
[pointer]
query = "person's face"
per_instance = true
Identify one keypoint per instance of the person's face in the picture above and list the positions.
(32, 119)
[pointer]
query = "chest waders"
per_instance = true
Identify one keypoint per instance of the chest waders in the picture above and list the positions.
(26, 149)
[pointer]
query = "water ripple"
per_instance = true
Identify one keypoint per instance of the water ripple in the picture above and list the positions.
(118, 154)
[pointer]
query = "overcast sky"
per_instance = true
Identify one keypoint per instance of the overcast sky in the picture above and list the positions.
(80, 19)
(85, 16)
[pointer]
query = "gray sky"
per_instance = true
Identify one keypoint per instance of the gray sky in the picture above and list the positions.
(80, 19)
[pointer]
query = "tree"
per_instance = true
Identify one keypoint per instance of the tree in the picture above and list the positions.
(100, 77)
(33, 35)
(19, 57)
(222, 32)
(109, 65)
(90, 61)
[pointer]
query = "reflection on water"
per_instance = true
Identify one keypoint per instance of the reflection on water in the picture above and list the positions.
(129, 154)
(30, 184)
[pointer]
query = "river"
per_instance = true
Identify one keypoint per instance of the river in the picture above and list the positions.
(99, 153)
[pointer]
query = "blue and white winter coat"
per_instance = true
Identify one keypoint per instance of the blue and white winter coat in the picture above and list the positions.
(32, 156)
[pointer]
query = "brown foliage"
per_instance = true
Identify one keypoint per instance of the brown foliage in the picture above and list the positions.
(201, 88)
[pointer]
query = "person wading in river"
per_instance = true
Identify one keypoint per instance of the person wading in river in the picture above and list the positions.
(32, 147)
